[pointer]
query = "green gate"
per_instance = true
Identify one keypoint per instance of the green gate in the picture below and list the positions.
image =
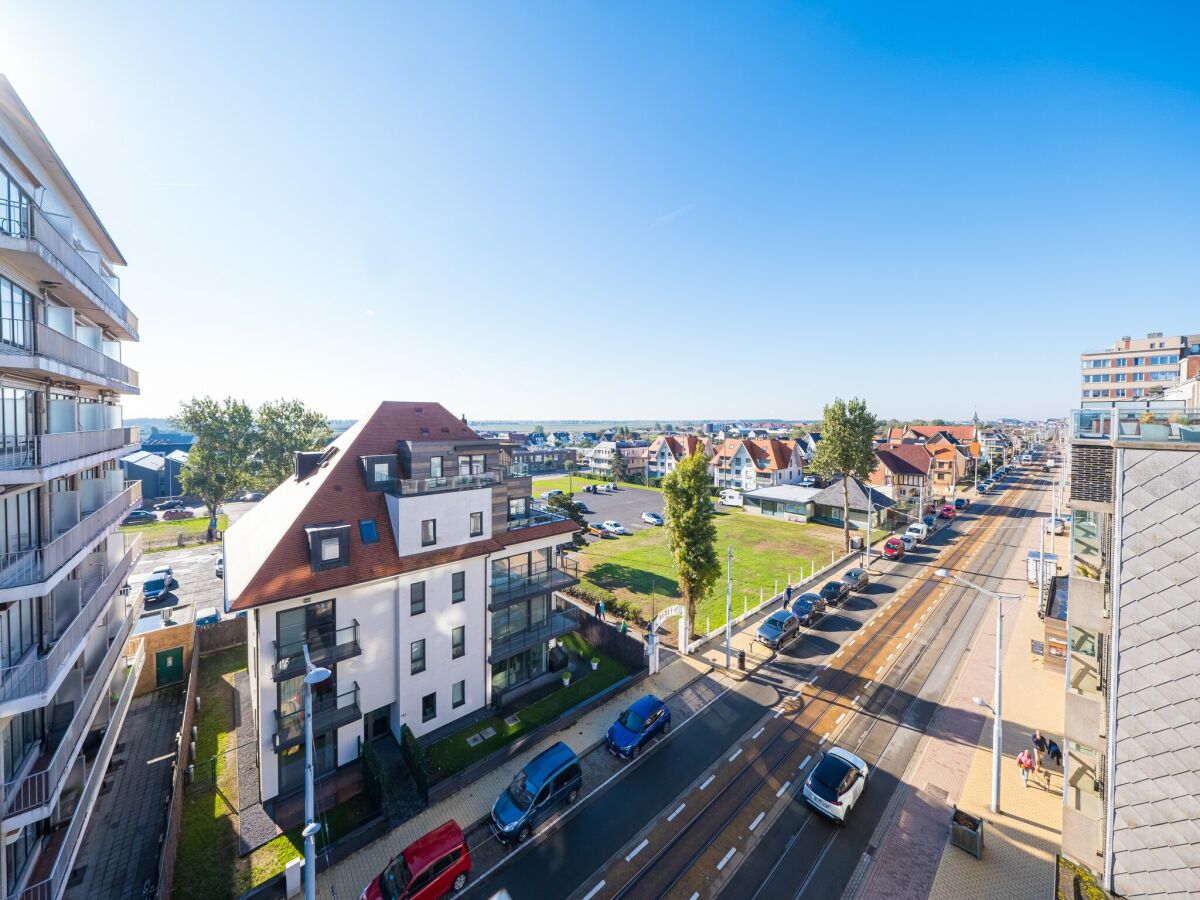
(168, 666)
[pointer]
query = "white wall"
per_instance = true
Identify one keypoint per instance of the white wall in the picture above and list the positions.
(450, 509)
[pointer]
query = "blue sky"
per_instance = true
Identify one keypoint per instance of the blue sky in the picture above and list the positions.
(564, 210)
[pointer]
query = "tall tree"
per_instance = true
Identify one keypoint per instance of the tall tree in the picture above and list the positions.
(219, 463)
(283, 427)
(691, 530)
(618, 465)
(846, 448)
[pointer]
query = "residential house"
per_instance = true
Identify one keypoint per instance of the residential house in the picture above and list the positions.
(667, 451)
(808, 444)
(635, 459)
(827, 505)
(904, 472)
(747, 464)
(789, 502)
(600, 460)
(410, 559)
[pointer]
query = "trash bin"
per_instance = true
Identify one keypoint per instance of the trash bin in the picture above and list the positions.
(742, 660)
(856, 543)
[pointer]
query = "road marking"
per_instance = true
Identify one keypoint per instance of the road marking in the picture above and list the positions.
(638, 849)
(778, 713)
(783, 790)
(736, 754)
(907, 636)
(839, 654)
(678, 810)
(869, 683)
(823, 739)
(707, 781)
(879, 671)
(757, 819)
(754, 737)
(850, 643)
(695, 896)
(726, 858)
(854, 702)
(839, 719)
(806, 761)
(890, 657)
(824, 667)
(594, 891)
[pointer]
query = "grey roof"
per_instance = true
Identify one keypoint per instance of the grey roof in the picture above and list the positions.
(145, 459)
(792, 493)
(179, 456)
(833, 496)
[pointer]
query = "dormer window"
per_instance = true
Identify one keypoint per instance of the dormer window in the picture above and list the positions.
(379, 472)
(328, 546)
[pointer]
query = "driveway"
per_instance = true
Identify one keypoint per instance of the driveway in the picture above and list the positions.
(626, 506)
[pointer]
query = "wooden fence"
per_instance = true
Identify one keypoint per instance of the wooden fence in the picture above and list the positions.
(170, 841)
(220, 635)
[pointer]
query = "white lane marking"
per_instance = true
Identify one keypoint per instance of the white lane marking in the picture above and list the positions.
(824, 667)
(823, 739)
(638, 849)
(736, 754)
(891, 656)
(778, 713)
(839, 654)
(754, 737)
(695, 896)
(854, 702)
(908, 635)
(726, 858)
(879, 671)
(707, 781)
(783, 790)
(869, 683)
(839, 719)
(678, 810)
(806, 761)
(757, 819)
(850, 643)
(594, 891)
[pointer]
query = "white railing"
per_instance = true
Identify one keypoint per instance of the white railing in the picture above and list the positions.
(27, 678)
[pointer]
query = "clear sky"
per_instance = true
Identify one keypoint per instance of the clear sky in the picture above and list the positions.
(631, 210)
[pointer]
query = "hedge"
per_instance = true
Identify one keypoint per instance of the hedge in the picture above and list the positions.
(415, 757)
(620, 609)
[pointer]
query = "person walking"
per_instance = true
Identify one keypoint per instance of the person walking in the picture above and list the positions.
(601, 610)
(1025, 764)
(1055, 753)
(1040, 745)
(787, 596)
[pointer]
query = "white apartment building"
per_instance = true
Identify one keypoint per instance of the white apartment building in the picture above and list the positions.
(65, 607)
(748, 465)
(410, 559)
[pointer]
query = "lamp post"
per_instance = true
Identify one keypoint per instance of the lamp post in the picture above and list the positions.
(314, 675)
(997, 715)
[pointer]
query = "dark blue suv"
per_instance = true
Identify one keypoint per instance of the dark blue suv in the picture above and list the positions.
(636, 726)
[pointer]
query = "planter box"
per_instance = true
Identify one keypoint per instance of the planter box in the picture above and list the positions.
(1155, 432)
(966, 831)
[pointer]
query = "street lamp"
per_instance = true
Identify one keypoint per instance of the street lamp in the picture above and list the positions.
(997, 716)
(314, 675)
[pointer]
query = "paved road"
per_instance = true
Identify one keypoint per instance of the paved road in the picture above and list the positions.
(646, 790)
(626, 505)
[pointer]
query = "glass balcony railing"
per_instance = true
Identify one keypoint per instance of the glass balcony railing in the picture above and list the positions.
(328, 714)
(516, 586)
(1112, 425)
(325, 647)
(558, 623)
(539, 515)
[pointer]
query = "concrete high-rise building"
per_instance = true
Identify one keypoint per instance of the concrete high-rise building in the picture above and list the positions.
(1132, 370)
(65, 608)
(1132, 713)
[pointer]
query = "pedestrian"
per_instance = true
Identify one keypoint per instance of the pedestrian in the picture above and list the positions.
(624, 629)
(1039, 748)
(1025, 764)
(1055, 753)
(601, 610)
(787, 596)
(595, 610)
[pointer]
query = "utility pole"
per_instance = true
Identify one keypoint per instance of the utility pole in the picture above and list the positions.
(314, 675)
(728, 605)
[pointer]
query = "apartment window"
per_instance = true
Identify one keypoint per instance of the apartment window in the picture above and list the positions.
(1095, 364)
(476, 524)
(367, 531)
(428, 707)
(1162, 376)
(435, 467)
(518, 507)
(14, 220)
(329, 546)
(1137, 376)
(458, 694)
(381, 471)
(471, 465)
(1121, 362)
(416, 652)
(416, 598)
(1087, 548)
(428, 532)
(458, 642)
(458, 587)
(1120, 376)
(1137, 361)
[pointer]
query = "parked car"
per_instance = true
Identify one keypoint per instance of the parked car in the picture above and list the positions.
(832, 592)
(140, 517)
(947, 511)
(598, 531)
(807, 608)
(546, 495)
(172, 514)
(432, 866)
(208, 616)
(856, 579)
(169, 504)
(584, 508)
(928, 520)
(918, 530)
(893, 548)
(156, 586)
(778, 629)
(549, 780)
(909, 541)
(961, 503)
(983, 487)
(652, 518)
(249, 496)
(614, 527)
(637, 726)
(165, 572)
(808, 481)
(589, 489)
(730, 497)
(836, 783)
(612, 486)
(220, 567)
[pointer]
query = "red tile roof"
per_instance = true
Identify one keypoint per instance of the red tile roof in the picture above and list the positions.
(769, 455)
(904, 459)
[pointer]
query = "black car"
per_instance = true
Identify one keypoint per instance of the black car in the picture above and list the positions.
(808, 608)
(169, 504)
(833, 592)
(140, 517)
(583, 508)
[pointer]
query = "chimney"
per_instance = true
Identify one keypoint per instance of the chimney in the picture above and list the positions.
(1125, 341)
(305, 462)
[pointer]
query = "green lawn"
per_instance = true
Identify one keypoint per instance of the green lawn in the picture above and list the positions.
(453, 754)
(269, 859)
(156, 531)
(639, 568)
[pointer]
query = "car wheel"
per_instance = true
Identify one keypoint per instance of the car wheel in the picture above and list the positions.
(666, 728)
(460, 882)
(523, 834)
(573, 796)
(636, 752)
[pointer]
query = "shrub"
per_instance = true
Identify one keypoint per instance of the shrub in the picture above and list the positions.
(415, 757)
(377, 778)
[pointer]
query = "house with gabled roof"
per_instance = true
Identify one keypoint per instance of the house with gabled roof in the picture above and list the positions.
(668, 450)
(747, 465)
(903, 472)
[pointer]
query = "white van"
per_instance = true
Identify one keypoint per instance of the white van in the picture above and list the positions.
(730, 497)
(918, 530)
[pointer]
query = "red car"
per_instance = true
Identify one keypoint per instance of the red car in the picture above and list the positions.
(893, 548)
(172, 514)
(429, 867)
(948, 511)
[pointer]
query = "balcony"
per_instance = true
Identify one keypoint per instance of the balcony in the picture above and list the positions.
(540, 516)
(1137, 425)
(32, 682)
(328, 715)
(558, 623)
(49, 881)
(326, 646)
(541, 580)
(25, 568)
(40, 350)
(412, 486)
(45, 253)
(31, 795)
(28, 459)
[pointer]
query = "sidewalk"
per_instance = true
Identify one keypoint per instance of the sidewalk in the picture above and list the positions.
(954, 765)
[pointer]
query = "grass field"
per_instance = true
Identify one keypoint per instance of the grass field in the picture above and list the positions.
(639, 567)
(155, 531)
(564, 484)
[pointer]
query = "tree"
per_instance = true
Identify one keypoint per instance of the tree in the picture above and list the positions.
(846, 448)
(218, 465)
(569, 465)
(618, 465)
(283, 427)
(691, 530)
(565, 506)
(539, 429)
(797, 433)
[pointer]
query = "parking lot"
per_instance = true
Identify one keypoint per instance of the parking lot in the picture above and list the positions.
(626, 505)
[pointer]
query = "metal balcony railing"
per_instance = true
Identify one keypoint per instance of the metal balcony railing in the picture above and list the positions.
(35, 565)
(35, 674)
(558, 623)
(36, 450)
(40, 787)
(1112, 425)
(514, 586)
(328, 714)
(325, 647)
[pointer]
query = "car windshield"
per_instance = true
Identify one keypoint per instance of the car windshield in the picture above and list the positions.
(520, 797)
(395, 878)
(631, 720)
(804, 605)
(776, 622)
(154, 584)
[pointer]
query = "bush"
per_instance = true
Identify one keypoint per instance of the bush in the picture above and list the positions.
(415, 757)
(377, 778)
(620, 609)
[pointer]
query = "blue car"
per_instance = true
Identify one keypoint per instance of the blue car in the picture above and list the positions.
(928, 520)
(960, 503)
(551, 779)
(636, 726)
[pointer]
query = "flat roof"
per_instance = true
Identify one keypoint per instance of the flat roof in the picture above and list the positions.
(793, 493)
